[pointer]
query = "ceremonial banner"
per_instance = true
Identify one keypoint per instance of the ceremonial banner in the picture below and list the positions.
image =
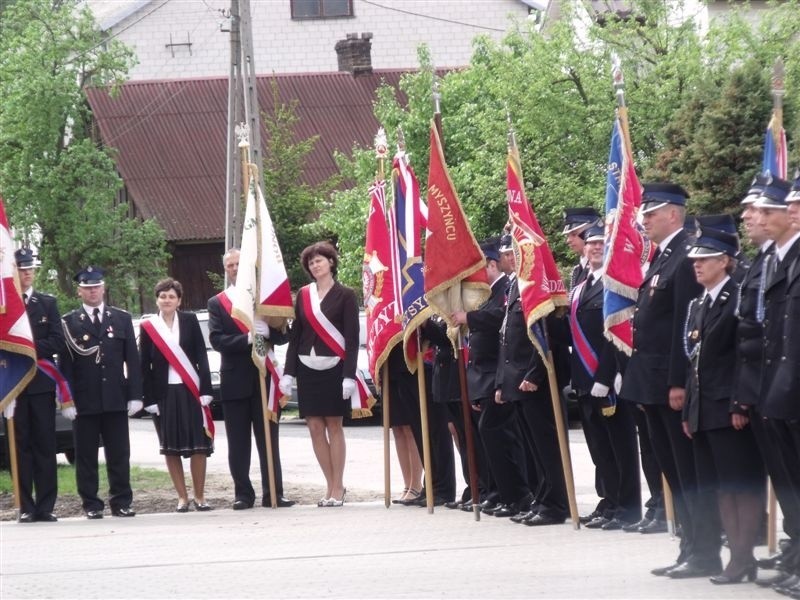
(17, 350)
(407, 219)
(775, 161)
(541, 289)
(262, 286)
(384, 328)
(455, 267)
(625, 250)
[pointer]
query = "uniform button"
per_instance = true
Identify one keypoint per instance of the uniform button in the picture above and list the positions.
(768, 361)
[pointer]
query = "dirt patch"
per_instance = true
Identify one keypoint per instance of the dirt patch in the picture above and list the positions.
(219, 494)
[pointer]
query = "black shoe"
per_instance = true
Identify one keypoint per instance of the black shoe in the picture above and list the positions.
(242, 505)
(590, 517)
(124, 511)
(283, 502)
(487, 505)
(519, 518)
(26, 517)
(202, 506)
(613, 525)
(687, 570)
(183, 507)
(508, 510)
(661, 571)
(749, 572)
(770, 562)
(634, 527)
(492, 510)
(540, 519)
(787, 583)
(654, 526)
(774, 580)
(596, 523)
(47, 517)
(453, 505)
(94, 514)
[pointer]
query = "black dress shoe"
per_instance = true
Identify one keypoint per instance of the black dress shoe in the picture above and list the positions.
(770, 562)
(634, 527)
(94, 514)
(590, 517)
(687, 570)
(613, 525)
(283, 502)
(452, 505)
(26, 517)
(487, 505)
(774, 580)
(242, 505)
(47, 518)
(540, 519)
(467, 506)
(789, 582)
(596, 523)
(124, 511)
(520, 517)
(661, 571)
(491, 511)
(654, 526)
(748, 572)
(509, 510)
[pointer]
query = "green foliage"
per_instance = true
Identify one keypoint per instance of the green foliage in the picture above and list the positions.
(59, 186)
(698, 102)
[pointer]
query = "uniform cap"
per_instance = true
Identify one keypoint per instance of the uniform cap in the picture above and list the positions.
(505, 243)
(658, 195)
(794, 195)
(756, 187)
(723, 222)
(595, 233)
(714, 242)
(774, 194)
(25, 259)
(579, 218)
(89, 277)
(490, 251)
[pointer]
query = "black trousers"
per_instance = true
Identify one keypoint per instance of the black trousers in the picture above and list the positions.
(443, 468)
(502, 440)
(539, 429)
(35, 427)
(599, 452)
(696, 510)
(113, 428)
(243, 416)
(650, 468)
(485, 484)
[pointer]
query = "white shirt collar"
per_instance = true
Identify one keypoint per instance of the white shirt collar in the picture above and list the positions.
(783, 250)
(90, 310)
(714, 292)
(665, 242)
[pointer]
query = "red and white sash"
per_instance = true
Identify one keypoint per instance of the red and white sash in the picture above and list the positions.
(275, 400)
(178, 360)
(362, 401)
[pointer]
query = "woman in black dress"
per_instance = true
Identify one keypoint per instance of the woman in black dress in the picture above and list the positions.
(323, 355)
(177, 390)
(726, 456)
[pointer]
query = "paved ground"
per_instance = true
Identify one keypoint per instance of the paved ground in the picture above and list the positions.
(359, 551)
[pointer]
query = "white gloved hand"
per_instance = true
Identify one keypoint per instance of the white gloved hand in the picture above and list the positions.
(153, 409)
(206, 400)
(69, 413)
(134, 406)
(618, 383)
(348, 388)
(262, 328)
(599, 390)
(285, 385)
(8, 411)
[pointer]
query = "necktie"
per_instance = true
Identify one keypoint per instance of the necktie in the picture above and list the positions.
(704, 311)
(25, 298)
(587, 285)
(774, 268)
(96, 320)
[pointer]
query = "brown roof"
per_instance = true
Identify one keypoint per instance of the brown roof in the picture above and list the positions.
(170, 138)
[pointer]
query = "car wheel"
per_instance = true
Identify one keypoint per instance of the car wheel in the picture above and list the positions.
(70, 455)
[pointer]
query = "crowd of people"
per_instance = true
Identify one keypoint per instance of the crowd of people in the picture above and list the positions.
(706, 400)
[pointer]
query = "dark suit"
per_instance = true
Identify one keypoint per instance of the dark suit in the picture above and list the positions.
(240, 394)
(611, 439)
(95, 365)
(34, 417)
(657, 364)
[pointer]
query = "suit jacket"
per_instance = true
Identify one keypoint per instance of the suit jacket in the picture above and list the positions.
(782, 400)
(749, 332)
(709, 383)
(155, 368)
(341, 308)
(238, 374)
(658, 361)
(589, 317)
(47, 335)
(484, 342)
(445, 386)
(107, 379)
(518, 358)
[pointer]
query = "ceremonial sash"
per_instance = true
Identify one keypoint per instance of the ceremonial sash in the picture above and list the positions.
(63, 393)
(580, 344)
(176, 357)
(275, 400)
(362, 401)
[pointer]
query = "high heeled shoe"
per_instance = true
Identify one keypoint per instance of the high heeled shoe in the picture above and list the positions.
(750, 571)
(334, 502)
(401, 498)
(323, 502)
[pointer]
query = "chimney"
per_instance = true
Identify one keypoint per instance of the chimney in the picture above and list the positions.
(355, 54)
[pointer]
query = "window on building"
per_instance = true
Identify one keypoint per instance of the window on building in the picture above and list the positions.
(321, 9)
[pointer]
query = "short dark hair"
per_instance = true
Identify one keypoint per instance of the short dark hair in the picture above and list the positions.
(325, 249)
(169, 284)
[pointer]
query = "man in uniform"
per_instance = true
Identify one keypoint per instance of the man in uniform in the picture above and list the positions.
(34, 415)
(101, 347)
(576, 221)
(240, 393)
(655, 376)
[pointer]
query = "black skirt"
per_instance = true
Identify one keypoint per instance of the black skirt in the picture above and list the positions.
(180, 424)
(319, 393)
(403, 399)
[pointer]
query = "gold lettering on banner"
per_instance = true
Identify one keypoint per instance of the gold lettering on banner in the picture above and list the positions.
(443, 202)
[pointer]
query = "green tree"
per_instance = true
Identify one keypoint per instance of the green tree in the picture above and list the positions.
(59, 185)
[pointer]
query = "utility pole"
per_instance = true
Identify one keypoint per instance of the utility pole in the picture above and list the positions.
(233, 172)
(252, 111)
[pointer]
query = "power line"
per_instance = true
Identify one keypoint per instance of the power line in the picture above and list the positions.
(431, 17)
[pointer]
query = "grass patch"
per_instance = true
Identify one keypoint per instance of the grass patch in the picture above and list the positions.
(141, 479)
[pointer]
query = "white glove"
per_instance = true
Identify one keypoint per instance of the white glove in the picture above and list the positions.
(285, 385)
(134, 406)
(153, 409)
(8, 411)
(69, 413)
(618, 383)
(348, 388)
(262, 328)
(206, 400)
(599, 390)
